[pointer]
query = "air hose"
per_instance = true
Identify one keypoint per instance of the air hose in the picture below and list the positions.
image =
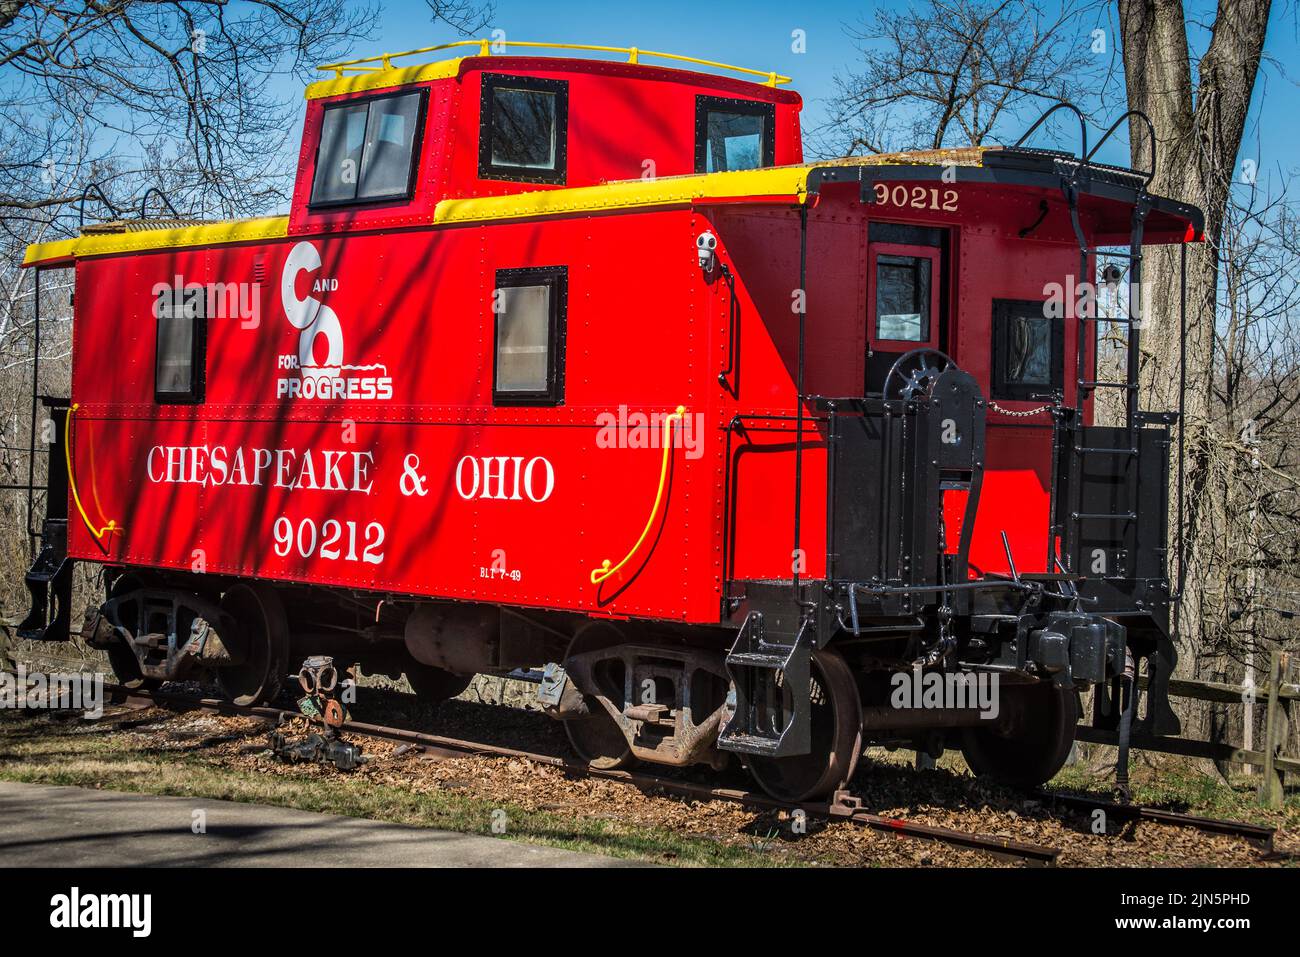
(1130, 692)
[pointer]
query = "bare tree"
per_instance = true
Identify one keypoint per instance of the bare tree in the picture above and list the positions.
(191, 80)
(127, 95)
(1198, 132)
(947, 72)
(183, 90)
(1249, 585)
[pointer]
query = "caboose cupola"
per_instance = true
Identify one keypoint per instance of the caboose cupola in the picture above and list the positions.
(383, 144)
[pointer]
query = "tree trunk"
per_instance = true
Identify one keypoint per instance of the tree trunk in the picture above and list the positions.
(1197, 140)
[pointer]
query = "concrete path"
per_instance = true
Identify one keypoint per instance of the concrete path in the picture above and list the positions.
(45, 826)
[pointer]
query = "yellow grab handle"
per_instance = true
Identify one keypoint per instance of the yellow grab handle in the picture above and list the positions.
(112, 525)
(598, 575)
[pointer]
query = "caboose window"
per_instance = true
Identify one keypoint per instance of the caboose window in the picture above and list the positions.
(1028, 351)
(178, 349)
(523, 125)
(529, 307)
(733, 134)
(903, 302)
(367, 150)
(903, 298)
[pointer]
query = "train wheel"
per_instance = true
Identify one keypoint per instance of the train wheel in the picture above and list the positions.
(836, 716)
(265, 640)
(1032, 744)
(434, 685)
(121, 658)
(596, 738)
(127, 668)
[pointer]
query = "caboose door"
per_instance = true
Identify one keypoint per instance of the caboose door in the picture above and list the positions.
(907, 294)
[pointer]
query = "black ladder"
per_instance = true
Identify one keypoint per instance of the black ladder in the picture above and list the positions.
(49, 580)
(1118, 447)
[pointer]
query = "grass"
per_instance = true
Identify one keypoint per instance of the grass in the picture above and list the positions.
(1181, 785)
(1164, 781)
(38, 750)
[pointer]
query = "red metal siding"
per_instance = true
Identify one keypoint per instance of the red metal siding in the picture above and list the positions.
(421, 308)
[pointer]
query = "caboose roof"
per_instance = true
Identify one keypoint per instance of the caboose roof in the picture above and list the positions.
(771, 185)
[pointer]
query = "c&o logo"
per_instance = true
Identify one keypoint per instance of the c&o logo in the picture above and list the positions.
(330, 377)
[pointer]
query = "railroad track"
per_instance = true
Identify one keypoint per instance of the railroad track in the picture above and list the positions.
(843, 807)
(1256, 834)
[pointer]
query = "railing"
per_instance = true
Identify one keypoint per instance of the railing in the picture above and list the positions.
(94, 188)
(85, 195)
(1085, 154)
(156, 191)
(384, 61)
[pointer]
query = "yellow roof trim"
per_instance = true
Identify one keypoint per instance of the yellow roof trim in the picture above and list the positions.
(783, 181)
(381, 79)
(209, 234)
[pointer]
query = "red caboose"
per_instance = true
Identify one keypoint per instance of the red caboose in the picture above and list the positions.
(576, 364)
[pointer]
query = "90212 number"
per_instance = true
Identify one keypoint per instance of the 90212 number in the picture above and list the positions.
(917, 197)
(328, 541)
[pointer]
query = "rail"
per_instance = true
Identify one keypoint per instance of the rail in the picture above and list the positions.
(85, 195)
(384, 61)
(842, 806)
(1259, 835)
(155, 190)
(1150, 174)
(1086, 155)
(1083, 127)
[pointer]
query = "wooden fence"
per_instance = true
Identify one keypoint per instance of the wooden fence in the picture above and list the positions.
(1278, 695)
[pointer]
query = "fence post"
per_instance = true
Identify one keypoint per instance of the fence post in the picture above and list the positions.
(1275, 734)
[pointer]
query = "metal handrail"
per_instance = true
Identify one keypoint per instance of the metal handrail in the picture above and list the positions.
(1083, 125)
(1151, 132)
(144, 200)
(384, 61)
(1085, 154)
(85, 194)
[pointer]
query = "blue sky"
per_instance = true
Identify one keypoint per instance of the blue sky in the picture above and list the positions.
(758, 34)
